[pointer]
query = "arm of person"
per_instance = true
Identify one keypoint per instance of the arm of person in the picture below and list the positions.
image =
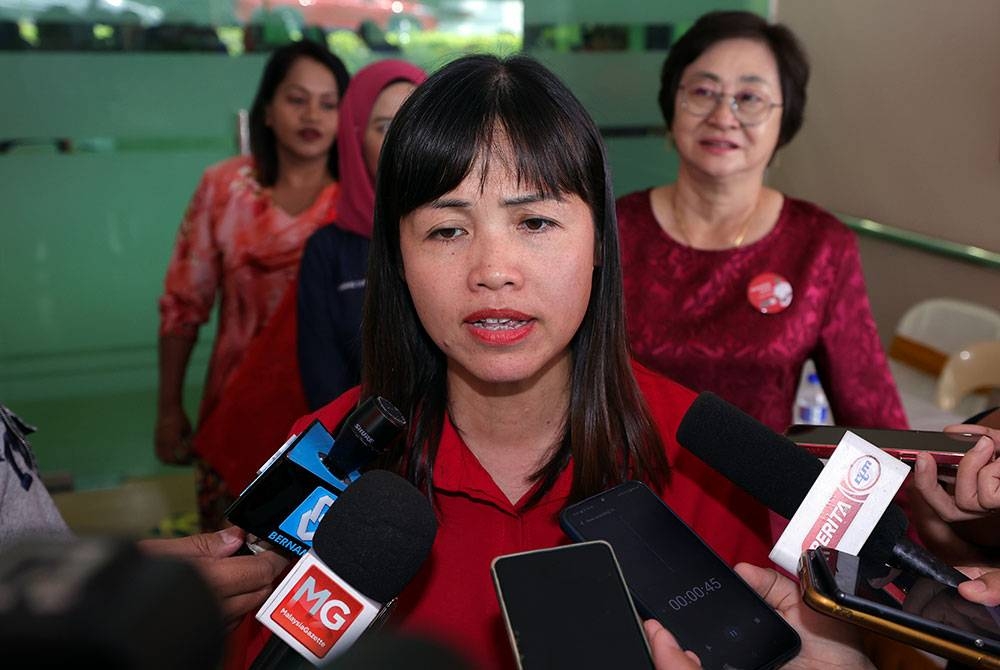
(190, 285)
(172, 438)
(827, 644)
(241, 583)
(849, 357)
(961, 521)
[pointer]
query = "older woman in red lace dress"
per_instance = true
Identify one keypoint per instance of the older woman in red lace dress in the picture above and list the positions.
(730, 286)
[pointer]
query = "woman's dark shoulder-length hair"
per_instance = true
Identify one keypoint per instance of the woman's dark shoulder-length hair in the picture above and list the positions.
(452, 123)
(793, 64)
(263, 144)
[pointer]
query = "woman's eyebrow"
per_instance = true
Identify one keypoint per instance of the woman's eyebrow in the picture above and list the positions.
(513, 201)
(746, 78)
(446, 203)
(527, 199)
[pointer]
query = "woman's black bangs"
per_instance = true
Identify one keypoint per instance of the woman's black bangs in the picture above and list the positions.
(492, 120)
(552, 153)
(440, 146)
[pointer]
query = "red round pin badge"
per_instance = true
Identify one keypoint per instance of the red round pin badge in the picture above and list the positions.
(769, 293)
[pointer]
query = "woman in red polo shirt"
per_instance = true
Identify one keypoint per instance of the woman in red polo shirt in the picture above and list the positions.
(494, 319)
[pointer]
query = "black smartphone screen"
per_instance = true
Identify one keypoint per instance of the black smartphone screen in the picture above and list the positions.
(929, 608)
(568, 608)
(676, 578)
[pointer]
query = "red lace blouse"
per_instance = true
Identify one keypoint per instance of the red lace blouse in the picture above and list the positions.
(690, 316)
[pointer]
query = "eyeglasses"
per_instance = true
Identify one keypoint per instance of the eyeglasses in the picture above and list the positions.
(750, 107)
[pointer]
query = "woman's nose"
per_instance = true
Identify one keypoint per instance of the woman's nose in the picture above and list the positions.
(312, 109)
(495, 265)
(722, 114)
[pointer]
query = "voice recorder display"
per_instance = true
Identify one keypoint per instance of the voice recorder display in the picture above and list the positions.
(676, 578)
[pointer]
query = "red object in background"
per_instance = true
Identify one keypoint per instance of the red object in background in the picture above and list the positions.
(252, 419)
(345, 14)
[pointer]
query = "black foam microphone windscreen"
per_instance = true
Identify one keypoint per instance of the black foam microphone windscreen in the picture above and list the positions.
(768, 466)
(377, 535)
(374, 538)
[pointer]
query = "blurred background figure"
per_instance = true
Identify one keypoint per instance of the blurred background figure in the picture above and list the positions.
(242, 237)
(731, 286)
(332, 275)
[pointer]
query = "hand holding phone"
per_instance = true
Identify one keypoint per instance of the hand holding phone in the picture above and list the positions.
(925, 614)
(677, 579)
(958, 513)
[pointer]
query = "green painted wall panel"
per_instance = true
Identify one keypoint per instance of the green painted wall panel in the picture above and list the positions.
(125, 94)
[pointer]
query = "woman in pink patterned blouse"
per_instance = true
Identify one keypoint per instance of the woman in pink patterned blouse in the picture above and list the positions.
(242, 237)
(730, 286)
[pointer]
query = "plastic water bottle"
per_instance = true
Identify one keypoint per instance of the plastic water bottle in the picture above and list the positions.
(811, 405)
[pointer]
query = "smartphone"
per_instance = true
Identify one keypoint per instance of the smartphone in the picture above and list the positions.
(946, 448)
(923, 613)
(567, 608)
(676, 578)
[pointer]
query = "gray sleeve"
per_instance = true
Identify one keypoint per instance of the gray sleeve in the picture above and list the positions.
(25, 505)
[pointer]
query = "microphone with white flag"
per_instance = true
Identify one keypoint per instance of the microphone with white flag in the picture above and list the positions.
(780, 474)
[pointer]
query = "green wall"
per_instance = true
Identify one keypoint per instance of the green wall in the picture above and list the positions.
(87, 235)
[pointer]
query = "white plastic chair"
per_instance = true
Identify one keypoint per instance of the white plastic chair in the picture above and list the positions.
(947, 325)
(929, 332)
(976, 366)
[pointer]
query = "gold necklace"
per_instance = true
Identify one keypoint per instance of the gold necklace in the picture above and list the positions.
(736, 242)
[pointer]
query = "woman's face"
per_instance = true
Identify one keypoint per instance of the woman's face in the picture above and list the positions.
(719, 145)
(386, 105)
(500, 277)
(303, 113)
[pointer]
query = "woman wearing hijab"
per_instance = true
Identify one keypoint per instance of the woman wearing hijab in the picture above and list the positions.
(332, 275)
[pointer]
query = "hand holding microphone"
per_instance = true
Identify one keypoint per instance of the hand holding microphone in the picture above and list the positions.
(240, 582)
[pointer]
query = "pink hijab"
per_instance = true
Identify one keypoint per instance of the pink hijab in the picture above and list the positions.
(356, 210)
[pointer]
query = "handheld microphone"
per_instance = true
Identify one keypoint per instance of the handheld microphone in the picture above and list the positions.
(292, 491)
(779, 474)
(103, 603)
(367, 548)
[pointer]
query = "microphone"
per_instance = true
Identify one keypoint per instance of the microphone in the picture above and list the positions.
(779, 474)
(101, 602)
(366, 549)
(292, 491)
